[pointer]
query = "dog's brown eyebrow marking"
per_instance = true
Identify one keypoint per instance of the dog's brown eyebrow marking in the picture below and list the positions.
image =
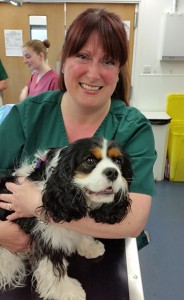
(113, 152)
(80, 174)
(97, 152)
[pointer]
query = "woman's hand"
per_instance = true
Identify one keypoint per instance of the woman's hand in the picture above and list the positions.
(24, 200)
(13, 238)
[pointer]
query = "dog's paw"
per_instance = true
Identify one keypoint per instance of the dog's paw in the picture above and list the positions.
(73, 290)
(90, 248)
(49, 286)
(65, 289)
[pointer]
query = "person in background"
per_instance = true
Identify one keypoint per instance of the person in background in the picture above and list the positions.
(93, 101)
(43, 78)
(3, 79)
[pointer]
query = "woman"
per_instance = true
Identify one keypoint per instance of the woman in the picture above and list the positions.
(92, 102)
(44, 78)
(3, 78)
(3, 81)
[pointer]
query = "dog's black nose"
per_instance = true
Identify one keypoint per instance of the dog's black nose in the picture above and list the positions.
(111, 173)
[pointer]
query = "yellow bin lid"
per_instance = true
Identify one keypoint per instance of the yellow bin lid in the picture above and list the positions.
(175, 106)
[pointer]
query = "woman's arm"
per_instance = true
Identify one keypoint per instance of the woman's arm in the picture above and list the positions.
(24, 93)
(131, 226)
(9, 230)
(12, 140)
(27, 206)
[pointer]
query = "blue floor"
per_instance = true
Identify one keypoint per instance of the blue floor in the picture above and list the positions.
(162, 261)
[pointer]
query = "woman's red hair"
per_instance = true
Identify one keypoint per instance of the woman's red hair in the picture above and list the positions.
(113, 36)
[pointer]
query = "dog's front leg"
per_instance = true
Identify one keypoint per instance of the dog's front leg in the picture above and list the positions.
(12, 269)
(90, 248)
(54, 286)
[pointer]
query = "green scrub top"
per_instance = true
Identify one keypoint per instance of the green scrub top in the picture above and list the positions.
(37, 123)
(3, 74)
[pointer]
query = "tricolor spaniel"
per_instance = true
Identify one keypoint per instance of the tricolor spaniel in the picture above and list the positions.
(90, 177)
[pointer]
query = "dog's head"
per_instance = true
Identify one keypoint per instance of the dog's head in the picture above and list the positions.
(91, 176)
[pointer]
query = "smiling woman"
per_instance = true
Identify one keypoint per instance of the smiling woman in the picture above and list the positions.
(91, 102)
(90, 79)
(112, 55)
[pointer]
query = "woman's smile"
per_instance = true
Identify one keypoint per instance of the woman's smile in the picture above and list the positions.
(90, 87)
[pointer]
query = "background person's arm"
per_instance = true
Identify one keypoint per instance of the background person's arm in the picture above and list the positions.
(24, 93)
(3, 85)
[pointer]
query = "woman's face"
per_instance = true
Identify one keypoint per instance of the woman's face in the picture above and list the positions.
(31, 58)
(90, 76)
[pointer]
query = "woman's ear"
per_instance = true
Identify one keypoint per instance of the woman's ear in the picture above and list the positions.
(42, 57)
(62, 68)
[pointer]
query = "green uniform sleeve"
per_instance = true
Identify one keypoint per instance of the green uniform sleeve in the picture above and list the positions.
(3, 74)
(140, 145)
(12, 139)
(134, 132)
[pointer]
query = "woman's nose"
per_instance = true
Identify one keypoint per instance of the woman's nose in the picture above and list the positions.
(93, 72)
(25, 60)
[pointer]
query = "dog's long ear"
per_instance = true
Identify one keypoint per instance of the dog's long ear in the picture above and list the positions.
(126, 163)
(62, 200)
(113, 212)
(126, 170)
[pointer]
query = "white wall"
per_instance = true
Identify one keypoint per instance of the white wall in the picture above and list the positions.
(150, 90)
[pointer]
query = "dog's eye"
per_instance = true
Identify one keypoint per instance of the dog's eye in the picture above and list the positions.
(91, 161)
(117, 161)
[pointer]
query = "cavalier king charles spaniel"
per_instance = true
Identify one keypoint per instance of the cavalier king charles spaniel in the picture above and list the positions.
(90, 177)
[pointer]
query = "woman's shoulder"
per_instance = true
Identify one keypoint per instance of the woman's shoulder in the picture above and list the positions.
(52, 97)
(35, 105)
(128, 113)
(35, 108)
(53, 73)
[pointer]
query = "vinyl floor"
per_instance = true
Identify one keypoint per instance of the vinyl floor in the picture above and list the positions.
(162, 261)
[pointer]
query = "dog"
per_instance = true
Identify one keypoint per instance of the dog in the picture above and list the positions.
(90, 177)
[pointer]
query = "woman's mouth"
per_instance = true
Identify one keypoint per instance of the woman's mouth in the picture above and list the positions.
(89, 87)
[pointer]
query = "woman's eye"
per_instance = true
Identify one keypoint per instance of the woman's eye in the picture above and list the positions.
(82, 56)
(108, 62)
